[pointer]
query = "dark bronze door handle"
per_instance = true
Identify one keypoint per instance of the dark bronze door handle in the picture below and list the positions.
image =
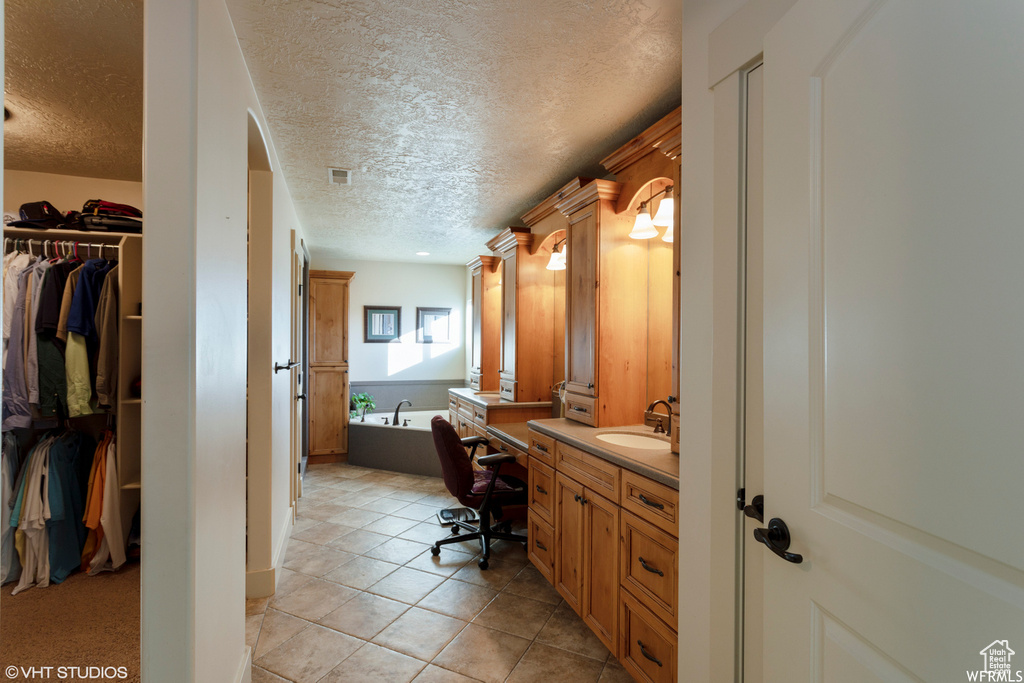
(776, 537)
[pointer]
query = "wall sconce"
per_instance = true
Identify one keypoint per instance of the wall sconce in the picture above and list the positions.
(557, 260)
(644, 226)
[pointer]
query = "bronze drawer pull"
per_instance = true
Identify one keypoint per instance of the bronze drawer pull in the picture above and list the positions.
(540, 447)
(579, 409)
(540, 490)
(540, 545)
(647, 654)
(653, 504)
(650, 568)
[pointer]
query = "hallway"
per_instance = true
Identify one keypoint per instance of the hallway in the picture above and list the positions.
(361, 597)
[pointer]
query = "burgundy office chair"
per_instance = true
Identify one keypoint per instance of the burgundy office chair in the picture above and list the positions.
(486, 491)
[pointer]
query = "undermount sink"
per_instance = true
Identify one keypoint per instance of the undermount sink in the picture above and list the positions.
(633, 441)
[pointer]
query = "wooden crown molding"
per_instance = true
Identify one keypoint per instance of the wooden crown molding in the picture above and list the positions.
(664, 136)
(510, 238)
(488, 262)
(333, 274)
(588, 194)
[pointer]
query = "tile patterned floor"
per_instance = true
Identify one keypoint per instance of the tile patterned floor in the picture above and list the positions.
(362, 599)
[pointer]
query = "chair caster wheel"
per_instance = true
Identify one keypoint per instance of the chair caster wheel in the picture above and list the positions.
(482, 564)
(435, 551)
(455, 530)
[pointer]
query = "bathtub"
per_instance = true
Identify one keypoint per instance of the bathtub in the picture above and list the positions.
(398, 449)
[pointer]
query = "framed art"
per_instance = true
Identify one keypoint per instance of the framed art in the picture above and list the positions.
(433, 325)
(382, 324)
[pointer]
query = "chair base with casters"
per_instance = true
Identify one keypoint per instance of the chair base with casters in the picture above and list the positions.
(484, 490)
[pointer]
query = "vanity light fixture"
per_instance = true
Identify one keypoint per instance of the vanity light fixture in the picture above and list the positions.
(666, 209)
(643, 228)
(557, 260)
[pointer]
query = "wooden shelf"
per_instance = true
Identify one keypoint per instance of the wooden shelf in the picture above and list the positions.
(131, 401)
(74, 235)
(132, 486)
(133, 317)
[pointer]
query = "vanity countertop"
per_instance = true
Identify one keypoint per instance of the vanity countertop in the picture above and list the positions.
(515, 433)
(661, 465)
(492, 401)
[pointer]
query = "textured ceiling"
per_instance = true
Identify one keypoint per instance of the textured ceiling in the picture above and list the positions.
(73, 84)
(456, 116)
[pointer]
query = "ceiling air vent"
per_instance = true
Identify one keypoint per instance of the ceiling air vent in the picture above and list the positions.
(339, 176)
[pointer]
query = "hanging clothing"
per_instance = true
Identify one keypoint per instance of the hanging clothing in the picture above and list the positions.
(65, 304)
(94, 502)
(10, 566)
(16, 412)
(32, 311)
(106, 326)
(32, 517)
(53, 386)
(82, 318)
(110, 555)
(14, 264)
(76, 375)
(65, 526)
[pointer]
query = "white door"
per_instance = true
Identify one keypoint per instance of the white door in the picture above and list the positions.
(894, 340)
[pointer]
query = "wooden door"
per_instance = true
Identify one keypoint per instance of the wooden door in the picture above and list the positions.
(569, 540)
(581, 302)
(601, 567)
(328, 299)
(328, 422)
(892, 239)
(508, 315)
(478, 314)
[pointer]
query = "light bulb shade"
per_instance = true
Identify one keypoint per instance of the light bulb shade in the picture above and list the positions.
(643, 228)
(556, 262)
(664, 216)
(667, 237)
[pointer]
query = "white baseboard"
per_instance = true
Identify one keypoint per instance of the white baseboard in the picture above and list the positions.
(262, 583)
(244, 674)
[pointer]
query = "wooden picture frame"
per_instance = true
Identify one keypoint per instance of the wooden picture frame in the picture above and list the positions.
(382, 324)
(433, 325)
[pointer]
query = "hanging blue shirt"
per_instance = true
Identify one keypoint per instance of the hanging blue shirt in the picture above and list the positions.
(67, 532)
(81, 318)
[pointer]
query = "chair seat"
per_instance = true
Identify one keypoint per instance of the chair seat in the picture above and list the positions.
(481, 478)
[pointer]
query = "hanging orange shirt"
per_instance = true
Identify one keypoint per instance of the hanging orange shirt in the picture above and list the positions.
(94, 502)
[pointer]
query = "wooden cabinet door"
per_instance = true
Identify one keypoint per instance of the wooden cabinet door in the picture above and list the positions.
(601, 567)
(328, 420)
(581, 303)
(328, 325)
(569, 540)
(508, 316)
(478, 315)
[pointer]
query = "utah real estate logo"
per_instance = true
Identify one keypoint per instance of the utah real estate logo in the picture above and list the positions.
(997, 656)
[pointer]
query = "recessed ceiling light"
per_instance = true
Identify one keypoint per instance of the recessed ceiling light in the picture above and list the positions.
(423, 253)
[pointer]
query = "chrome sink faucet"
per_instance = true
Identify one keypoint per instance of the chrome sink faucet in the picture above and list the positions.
(394, 421)
(649, 415)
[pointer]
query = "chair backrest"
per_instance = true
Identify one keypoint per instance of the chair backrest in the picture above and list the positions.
(455, 463)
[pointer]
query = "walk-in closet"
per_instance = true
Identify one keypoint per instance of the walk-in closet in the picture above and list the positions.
(72, 340)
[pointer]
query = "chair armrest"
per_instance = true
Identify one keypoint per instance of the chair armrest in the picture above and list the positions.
(495, 459)
(474, 441)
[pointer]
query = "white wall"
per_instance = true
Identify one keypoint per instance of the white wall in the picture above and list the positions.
(66, 192)
(197, 93)
(387, 283)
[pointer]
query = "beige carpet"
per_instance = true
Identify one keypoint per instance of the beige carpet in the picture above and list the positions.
(85, 621)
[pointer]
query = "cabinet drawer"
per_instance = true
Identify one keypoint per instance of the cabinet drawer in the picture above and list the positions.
(580, 409)
(479, 415)
(474, 381)
(650, 566)
(651, 501)
(465, 409)
(505, 447)
(541, 541)
(453, 403)
(507, 389)
(598, 474)
(542, 489)
(647, 647)
(543, 448)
